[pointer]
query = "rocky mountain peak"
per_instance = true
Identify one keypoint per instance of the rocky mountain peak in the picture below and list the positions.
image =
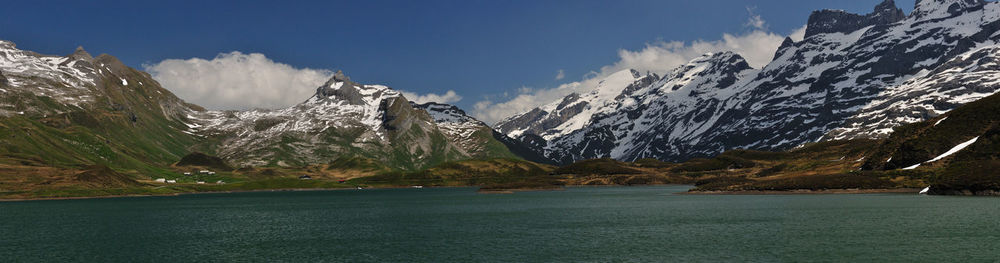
(929, 9)
(786, 43)
(81, 54)
(723, 61)
(341, 87)
(839, 21)
(7, 44)
(887, 10)
(339, 76)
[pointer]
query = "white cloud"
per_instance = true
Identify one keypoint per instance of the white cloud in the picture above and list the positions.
(756, 46)
(560, 74)
(798, 34)
(237, 81)
(448, 97)
(755, 21)
(490, 112)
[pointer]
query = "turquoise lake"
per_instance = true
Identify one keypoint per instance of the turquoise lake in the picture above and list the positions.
(581, 224)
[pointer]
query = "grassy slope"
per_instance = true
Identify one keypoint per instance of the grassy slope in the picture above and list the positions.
(120, 131)
(818, 166)
(972, 170)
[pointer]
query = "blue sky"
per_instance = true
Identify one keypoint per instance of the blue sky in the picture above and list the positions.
(478, 49)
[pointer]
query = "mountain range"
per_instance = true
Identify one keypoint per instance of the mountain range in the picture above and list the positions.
(851, 76)
(78, 110)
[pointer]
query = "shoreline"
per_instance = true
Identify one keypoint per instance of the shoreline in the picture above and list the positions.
(805, 192)
(495, 191)
(188, 193)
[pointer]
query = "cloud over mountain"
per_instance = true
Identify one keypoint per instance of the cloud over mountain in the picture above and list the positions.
(448, 97)
(236, 80)
(757, 46)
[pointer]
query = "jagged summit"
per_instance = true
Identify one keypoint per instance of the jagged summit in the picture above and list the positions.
(339, 76)
(839, 21)
(341, 88)
(81, 54)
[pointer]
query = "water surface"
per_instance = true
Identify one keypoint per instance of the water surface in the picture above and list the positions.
(589, 224)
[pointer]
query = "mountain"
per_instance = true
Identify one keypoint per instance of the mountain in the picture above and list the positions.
(572, 112)
(852, 76)
(77, 110)
(345, 118)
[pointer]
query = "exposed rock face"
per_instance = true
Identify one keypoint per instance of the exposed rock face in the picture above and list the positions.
(342, 88)
(837, 21)
(853, 76)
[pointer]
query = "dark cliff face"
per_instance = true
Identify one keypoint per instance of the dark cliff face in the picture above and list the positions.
(341, 87)
(837, 21)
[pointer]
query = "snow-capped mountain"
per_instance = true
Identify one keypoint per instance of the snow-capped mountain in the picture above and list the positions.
(78, 109)
(851, 76)
(342, 118)
(345, 118)
(79, 81)
(572, 112)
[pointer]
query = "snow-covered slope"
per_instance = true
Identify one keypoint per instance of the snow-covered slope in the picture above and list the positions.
(963, 79)
(572, 112)
(852, 76)
(650, 118)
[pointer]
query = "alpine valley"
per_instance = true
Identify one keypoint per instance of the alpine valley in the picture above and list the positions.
(883, 101)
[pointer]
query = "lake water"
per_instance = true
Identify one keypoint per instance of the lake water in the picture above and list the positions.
(599, 224)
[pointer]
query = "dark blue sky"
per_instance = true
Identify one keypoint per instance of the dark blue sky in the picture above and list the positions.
(476, 48)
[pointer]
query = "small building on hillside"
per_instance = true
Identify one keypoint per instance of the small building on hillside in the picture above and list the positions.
(305, 177)
(161, 180)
